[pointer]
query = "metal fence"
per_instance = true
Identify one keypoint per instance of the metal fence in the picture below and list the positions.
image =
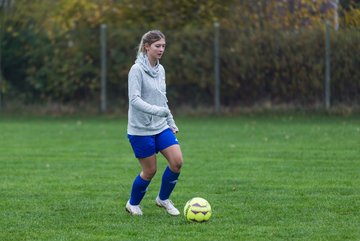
(210, 67)
(309, 76)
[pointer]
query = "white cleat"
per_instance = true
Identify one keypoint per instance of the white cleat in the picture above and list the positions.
(168, 205)
(134, 210)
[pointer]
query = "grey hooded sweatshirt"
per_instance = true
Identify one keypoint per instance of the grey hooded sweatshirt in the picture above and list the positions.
(148, 112)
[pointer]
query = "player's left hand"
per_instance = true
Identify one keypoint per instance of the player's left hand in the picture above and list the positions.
(174, 130)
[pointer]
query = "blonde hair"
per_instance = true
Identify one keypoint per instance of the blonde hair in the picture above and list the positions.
(148, 38)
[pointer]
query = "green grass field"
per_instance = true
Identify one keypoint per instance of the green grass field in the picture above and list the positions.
(267, 177)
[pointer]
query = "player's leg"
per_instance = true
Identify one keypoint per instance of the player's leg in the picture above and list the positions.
(171, 174)
(174, 157)
(141, 184)
(143, 180)
(169, 147)
(144, 149)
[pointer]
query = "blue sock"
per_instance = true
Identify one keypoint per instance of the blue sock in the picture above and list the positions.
(138, 190)
(169, 180)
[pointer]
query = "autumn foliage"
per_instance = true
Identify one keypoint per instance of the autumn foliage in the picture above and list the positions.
(271, 50)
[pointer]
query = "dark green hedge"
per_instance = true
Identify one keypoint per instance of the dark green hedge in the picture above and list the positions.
(256, 66)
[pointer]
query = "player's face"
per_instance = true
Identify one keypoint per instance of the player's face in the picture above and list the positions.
(155, 50)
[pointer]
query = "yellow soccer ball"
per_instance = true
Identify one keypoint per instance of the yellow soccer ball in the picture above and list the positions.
(197, 209)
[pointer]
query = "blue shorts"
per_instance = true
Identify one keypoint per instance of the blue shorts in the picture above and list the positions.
(145, 146)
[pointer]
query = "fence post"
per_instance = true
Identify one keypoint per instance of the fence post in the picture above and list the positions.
(327, 93)
(103, 97)
(217, 67)
(3, 6)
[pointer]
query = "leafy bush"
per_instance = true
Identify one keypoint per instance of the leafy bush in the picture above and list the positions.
(54, 55)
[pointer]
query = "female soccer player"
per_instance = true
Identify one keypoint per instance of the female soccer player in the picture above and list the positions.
(151, 127)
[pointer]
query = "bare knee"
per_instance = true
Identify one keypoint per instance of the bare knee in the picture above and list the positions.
(148, 166)
(174, 157)
(176, 165)
(148, 174)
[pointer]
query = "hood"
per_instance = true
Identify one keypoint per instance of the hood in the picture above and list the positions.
(143, 60)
